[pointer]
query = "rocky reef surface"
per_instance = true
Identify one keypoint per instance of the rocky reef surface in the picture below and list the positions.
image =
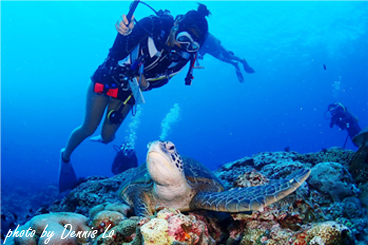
(329, 208)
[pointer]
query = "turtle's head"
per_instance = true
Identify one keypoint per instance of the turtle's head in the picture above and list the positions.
(164, 162)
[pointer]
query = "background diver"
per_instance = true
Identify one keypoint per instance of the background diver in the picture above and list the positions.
(213, 47)
(344, 119)
(125, 158)
(147, 54)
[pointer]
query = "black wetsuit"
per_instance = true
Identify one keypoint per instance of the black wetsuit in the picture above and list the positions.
(213, 47)
(125, 159)
(346, 121)
(158, 66)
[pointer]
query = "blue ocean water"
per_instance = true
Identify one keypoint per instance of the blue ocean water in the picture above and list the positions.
(49, 50)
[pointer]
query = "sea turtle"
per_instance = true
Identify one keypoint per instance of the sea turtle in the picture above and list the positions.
(358, 166)
(168, 181)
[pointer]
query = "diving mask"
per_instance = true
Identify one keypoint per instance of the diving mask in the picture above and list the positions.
(333, 107)
(186, 40)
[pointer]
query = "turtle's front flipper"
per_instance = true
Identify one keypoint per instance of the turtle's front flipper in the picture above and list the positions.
(141, 200)
(251, 198)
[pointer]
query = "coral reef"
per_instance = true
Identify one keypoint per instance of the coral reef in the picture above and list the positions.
(328, 233)
(92, 192)
(170, 226)
(249, 179)
(333, 179)
(155, 232)
(265, 158)
(329, 195)
(329, 208)
(32, 202)
(54, 229)
(364, 194)
(266, 228)
(126, 232)
(106, 219)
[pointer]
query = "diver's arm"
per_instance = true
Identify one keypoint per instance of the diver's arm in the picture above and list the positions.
(124, 45)
(144, 84)
(350, 117)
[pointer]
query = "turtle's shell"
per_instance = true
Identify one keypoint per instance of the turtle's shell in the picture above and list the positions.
(199, 178)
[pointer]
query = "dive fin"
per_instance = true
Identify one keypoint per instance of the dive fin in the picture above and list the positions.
(247, 68)
(98, 138)
(67, 177)
(239, 74)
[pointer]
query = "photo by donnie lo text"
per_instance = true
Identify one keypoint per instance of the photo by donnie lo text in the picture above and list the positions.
(47, 234)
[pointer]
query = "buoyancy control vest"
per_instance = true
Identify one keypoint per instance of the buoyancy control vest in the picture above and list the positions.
(149, 36)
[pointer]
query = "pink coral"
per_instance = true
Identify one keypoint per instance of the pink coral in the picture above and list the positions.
(106, 220)
(179, 227)
(186, 229)
(212, 225)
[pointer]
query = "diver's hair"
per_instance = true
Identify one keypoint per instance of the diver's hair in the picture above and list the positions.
(195, 22)
(202, 9)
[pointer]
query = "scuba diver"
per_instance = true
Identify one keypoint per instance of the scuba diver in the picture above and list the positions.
(125, 158)
(344, 119)
(213, 47)
(143, 56)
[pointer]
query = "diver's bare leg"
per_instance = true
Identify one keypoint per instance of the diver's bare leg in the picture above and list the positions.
(109, 129)
(95, 107)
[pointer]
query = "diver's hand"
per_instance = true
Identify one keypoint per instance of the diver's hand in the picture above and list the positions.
(144, 84)
(122, 25)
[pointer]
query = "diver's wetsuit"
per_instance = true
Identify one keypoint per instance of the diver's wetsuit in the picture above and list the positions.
(213, 47)
(151, 33)
(346, 121)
